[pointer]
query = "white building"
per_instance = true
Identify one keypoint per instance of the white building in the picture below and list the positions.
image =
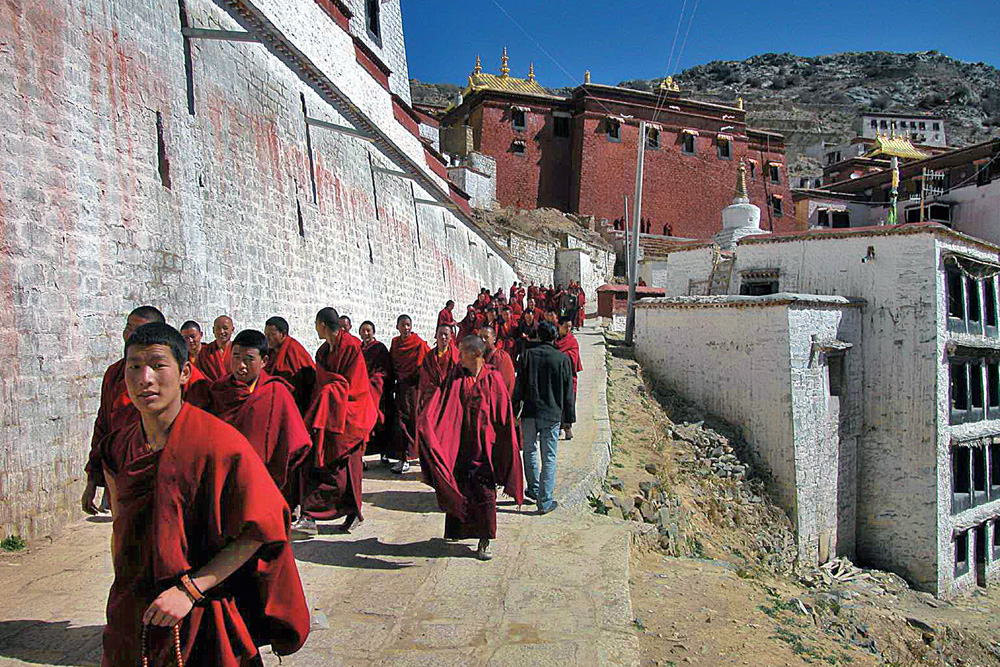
(921, 129)
(900, 326)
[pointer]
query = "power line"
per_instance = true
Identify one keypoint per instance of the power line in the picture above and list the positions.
(684, 43)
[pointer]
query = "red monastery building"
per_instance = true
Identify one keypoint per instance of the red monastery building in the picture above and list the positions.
(578, 153)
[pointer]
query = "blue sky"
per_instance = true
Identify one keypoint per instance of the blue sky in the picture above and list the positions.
(625, 39)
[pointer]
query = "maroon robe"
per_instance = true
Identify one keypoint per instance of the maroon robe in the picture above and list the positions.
(115, 412)
(500, 360)
(407, 355)
(174, 510)
(266, 414)
(340, 418)
(214, 361)
(380, 379)
(198, 390)
(581, 312)
(445, 317)
(569, 346)
(468, 447)
(295, 365)
(434, 371)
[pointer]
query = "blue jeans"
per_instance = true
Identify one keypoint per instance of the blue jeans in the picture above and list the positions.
(544, 435)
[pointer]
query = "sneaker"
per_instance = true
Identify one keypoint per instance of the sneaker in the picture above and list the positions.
(569, 432)
(305, 526)
(549, 508)
(385, 461)
(528, 495)
(484, 552)
(401, 467)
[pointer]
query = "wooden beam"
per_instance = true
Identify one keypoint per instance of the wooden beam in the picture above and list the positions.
(343, 129)
(220, 35)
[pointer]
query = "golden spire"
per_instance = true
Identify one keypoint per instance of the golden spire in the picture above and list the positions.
(478, 69)
(739, 102)
(741, 183)
(586, 76)
(504, 68)
(669, 85)
(531, 73)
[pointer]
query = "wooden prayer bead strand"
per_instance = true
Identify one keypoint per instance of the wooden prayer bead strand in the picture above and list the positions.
(177, 646)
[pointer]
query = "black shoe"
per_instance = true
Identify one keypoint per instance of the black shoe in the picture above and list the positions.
(530, 496)
(553, 506)
(351, 523)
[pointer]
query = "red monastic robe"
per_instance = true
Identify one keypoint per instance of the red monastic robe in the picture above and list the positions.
(407, 356)
(214, 361)
(266, 414)
(198, 390)
(468, 447)
(581, 313)
(340, 418)
(174, 510)
(434, 371)
(569, 346)
(295, 365)
(116, 410)
(500, 360)
(380, 378)
(445, 317)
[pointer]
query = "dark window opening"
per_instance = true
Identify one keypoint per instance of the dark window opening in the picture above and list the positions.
(753, 171)
(995, 465)
(776, 206)
(937, 127)
(979, 469)
(560, 126)
(981, 545)
(990, 301)
(835, 372)
(759, 287)
(823, 219)
(959, 387)
(962, 553)
(976, 386)
(725, 151)
(996, 535)
(972, 297)
(302, 227)
(652, 138)
(874, 124)
(841, 220)
(518, 147)
(613, 128)
(162, 163)
(961, 482)
(518, 119)
(774, 172)
(688, 145)
(372, 20)
(939, 213)
(993, 384)
(956, 303)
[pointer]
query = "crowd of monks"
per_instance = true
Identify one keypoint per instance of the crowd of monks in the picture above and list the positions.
(310, 420)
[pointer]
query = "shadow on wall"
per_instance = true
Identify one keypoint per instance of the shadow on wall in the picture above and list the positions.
(51, 642)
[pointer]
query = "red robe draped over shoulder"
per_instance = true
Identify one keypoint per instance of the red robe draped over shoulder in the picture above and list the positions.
(569, 346)
(295, 365)
(468, 440)
(266, 414)
(115, 412)
(214, 361)
(407, 355)
(500, 360)
(581, 312)
(381, 380)
(198, 390)
(445, 317)
(174, 510)
(435, 370)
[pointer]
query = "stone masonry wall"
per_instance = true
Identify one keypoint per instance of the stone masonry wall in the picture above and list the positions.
(113, 195)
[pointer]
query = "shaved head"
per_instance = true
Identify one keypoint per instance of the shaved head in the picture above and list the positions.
(223, 329)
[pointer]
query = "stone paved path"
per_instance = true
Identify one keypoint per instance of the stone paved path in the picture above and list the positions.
(394, 592)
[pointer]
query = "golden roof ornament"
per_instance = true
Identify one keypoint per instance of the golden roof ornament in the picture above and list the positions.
(478, 69)
(669, 85)
(504, 67)
(586, 76)
(531, 73)
(739, 102)
(741, 184)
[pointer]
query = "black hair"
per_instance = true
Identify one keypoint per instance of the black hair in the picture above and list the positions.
(346, 317)
(160, 333)
(547, 332)
(191, 324)
(486, 326)
(566, 318)
(474, 343)
(149, 313)
(402, 317)
(279, 323)
(369, 323)
(254, 339)
(330, 318)
(449, 303)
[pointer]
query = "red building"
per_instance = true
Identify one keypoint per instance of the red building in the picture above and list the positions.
(578, 153)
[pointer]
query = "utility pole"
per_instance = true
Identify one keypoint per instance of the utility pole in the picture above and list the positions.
(628, 248)
(636, 217)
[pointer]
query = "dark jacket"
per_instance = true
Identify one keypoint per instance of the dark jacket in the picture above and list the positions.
(544, 387)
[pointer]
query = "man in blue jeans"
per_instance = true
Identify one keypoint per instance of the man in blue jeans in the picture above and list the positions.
(543, 395)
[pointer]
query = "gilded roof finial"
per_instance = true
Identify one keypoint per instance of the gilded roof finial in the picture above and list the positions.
(531, 73)
(739, 102)
(669, 85)
(478, 69)
(504, 68)
(586, 76)
(741, 183)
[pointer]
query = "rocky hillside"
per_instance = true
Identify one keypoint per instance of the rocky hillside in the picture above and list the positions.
(811, 100)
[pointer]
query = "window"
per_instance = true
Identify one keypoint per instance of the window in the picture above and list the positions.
(776, 206)
(874, 124)
(372, 21)
(990, 302)
(962, 553)
(976, 387)
(937, 127)
(613, 127)
(979, 470)
(560, 126)
(835, 373)
(725, 151)
(753, 170)
(972, 299)
(518, 147)
(688, 145)
(956, 300)
(773, 171)
(759, 282)
(517, 119)
(959, 382)
(993, 388)
(996, 538)
(981, 555)
(882, 124)
(923, 126)
(995, 470)
(961, 480)
(652, 138)
(841, 220)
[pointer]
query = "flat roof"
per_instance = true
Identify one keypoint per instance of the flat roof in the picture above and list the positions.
(915, 114)
(737, 301)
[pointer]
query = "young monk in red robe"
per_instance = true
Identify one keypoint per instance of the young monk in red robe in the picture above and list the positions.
(438, 363)
(191, 331)
(407, 353)
(197, 391)
(116, 410)
(570, 346)
(290, 361)
(469, 323)
(261, 407)
(468, 447)
(214, 358)
(340, 418)
(379, 365)
(346, 326)
(581, 312)
(194, 508)
(497, 357)
(446, 315)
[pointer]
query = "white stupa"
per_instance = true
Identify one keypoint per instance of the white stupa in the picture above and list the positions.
(741, 218)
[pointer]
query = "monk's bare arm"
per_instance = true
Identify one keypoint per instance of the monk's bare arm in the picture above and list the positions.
(174, 604)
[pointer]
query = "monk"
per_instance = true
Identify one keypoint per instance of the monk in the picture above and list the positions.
(116, 410)
(340, 418)
(497, 357)
(568, 345)
(469, 323)
(526, 331)
(214, 358)
(446, 315)
(290, 361)
(438, 363)
(191, 331)
(581, 311)
(346, 325)
(379, 365)
(407, 352)
(468, 447)
(261, 407)
(200, 534)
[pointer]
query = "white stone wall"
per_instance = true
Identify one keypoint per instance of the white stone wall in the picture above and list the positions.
(481, 189)
(431, 133)
(391, 48)
(90, 231)
(976, 210)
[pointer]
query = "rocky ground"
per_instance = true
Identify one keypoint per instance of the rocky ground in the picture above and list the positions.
(547, 224)
(715, 579)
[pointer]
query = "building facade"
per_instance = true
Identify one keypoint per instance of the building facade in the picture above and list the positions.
(919, 128)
